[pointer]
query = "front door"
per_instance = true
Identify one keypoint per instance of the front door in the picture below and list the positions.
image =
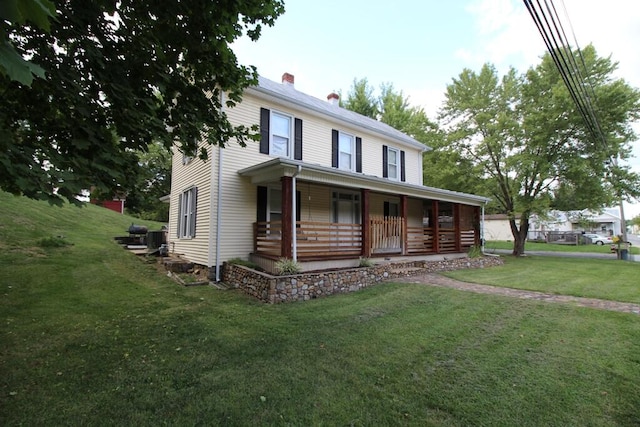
(346, 210)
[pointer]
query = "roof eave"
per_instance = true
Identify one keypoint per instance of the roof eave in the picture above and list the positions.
(273, 169)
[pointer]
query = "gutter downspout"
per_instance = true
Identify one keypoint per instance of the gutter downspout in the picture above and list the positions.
(294, 237)
(219, 200)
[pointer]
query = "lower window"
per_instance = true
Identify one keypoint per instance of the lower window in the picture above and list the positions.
(187, 213)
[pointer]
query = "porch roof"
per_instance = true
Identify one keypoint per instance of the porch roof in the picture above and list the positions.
(272, 170)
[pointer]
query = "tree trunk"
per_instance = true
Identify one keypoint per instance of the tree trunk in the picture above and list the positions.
(519, 234)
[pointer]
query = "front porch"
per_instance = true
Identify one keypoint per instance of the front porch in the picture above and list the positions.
(381, 236)
(351, 216)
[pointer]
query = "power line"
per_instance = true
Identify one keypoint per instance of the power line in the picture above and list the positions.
(580, 88)
(552, 31)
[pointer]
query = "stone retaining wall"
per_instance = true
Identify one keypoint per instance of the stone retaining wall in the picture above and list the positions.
(301, 287)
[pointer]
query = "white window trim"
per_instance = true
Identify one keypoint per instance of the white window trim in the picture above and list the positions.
(397, 164)
(270, 201)
(396, 207)
(352, 166)
(187, 214)
(358, 210)
(290, 136)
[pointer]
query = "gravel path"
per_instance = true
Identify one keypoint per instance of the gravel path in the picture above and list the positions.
(445, 282)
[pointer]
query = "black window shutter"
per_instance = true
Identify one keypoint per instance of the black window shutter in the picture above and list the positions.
(297, 150)
(194, 206)
(298, 207)
(358, 154)
(386, 209)
(261, 214)
(334, 148)
(264, 130)
(402, 175)
(179, 215)
(385, 162)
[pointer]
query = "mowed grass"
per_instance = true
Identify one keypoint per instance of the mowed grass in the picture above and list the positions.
(551, 247)
(92, 335)
(613, 280)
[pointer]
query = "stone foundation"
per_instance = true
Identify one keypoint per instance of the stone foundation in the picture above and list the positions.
(302, 287)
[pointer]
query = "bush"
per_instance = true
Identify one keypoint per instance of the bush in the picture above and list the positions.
(475, 252)
(286, 266)
(365, 262)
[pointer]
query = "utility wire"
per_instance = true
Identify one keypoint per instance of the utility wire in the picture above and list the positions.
(580, 88)
(552, 31)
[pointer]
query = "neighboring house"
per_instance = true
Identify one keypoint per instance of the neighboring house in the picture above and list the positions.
(496, 227)
(117, 204)
(324, 186)
(607, 223)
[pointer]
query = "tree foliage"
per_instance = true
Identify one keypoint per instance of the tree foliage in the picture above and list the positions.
(152, 181)
(444, 166)
(120, 75)
(390, 107)
(19, 12)
(361, 99)
(524, 133)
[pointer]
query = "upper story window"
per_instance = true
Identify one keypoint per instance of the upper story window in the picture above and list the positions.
(346, 157)
(280, 134)
(393, 163)
(346, 151)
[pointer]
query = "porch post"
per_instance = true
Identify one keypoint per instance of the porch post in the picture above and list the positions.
(366, 224)
(287, 217)
(476, 226)
(404, 215)
(436, 227)
(456, 226)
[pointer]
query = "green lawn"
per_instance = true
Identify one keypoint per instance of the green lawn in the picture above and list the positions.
(92, 335)
(594, 278)
(550, 247)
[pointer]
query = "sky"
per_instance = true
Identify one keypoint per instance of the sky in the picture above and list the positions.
(419, 46)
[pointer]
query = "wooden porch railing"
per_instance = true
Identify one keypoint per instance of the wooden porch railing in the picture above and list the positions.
(420, 240)
(314, 239)
(267, 237)
(386, 234)
(325, 239)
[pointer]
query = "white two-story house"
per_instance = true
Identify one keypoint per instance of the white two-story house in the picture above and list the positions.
(323, 186)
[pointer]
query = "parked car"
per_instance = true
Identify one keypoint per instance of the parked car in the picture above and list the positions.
(598, 239)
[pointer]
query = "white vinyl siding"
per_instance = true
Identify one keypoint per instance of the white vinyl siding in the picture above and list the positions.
(238, 197)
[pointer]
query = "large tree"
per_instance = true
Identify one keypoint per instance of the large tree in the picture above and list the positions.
(532, 144)
(444, 167)
(119, 75)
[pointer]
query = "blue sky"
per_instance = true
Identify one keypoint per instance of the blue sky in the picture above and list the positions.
(420, 46)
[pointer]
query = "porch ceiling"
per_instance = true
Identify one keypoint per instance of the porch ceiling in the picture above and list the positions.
(272, 170)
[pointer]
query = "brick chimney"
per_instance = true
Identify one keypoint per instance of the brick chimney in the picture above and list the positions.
(287, 79)
(333, 98)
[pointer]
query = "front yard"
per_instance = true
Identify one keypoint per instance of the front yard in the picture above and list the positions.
(93, 336)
